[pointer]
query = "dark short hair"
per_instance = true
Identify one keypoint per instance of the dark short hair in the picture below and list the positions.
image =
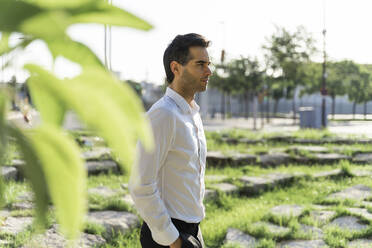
(178, 50)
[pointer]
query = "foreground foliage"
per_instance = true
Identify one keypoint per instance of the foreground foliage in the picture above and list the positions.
(53, 164)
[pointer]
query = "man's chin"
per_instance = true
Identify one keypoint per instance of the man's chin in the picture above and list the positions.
(202, 88)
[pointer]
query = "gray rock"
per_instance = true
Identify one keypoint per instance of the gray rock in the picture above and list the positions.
(4, 213)
(128, 200)
(15, 225)
(25, 196)
(250, 141)
(209, 194)
(327, 158)
(237, 237)
(363, 158)
(124, 186)
(23, 205)
(308, 141)
(98, 153)
(229, 140)
(271, 228)
(280, 138)
(274, 159)
(97, 167)
(5, 243)
(322, 216)
(348, 223)
(354, 140)
(313, 149)
(255, 184)
(265, 182)
(227, 188)
(216, 158)
(361, 173)
(215, 178)
(17, 163)
(360, 243)
(361, 212)
(103, 191)
(287, 211)
(282, 178)
(366, 204)
(91, 141)
(311, 231)
(357, 192)
(301, 160)
(52, 238)
(354, 150)
(9, 173)
(243, 159)
(115, 221)
(302, 244)
(325, 174)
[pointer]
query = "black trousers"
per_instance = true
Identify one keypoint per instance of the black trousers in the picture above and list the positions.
(189, 232)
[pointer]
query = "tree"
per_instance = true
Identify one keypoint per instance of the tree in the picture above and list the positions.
(221, 80)
(367, 77)
(106, 106)
(136, 86)
(254, 79)
(277, 92)
(287, 53)
(236, 71)
(357, 84)
(248, 78)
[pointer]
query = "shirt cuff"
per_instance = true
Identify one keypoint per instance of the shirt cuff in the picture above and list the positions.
(167, 236)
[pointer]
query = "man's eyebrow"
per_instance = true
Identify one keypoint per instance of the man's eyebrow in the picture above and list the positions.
(202, 62)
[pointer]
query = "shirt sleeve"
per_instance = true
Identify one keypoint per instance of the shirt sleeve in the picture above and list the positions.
(143, 182)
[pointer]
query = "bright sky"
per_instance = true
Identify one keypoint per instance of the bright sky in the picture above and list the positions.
(239, 26)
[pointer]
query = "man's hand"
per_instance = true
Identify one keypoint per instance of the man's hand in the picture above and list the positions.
(177, 243)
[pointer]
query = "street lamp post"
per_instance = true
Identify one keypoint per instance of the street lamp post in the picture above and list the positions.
(324, 82)
(323, 90)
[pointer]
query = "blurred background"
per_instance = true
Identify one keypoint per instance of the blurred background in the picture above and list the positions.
(308, 54)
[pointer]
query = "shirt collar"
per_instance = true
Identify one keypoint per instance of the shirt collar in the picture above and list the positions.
(181, 102)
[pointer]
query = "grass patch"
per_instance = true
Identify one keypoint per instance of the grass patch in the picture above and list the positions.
(115, 203)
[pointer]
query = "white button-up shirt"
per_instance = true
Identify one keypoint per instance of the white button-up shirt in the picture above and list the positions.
(169, 182)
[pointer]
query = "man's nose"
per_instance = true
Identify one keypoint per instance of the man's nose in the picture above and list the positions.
(208, 72)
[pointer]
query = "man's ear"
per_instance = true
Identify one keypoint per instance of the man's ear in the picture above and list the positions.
(175, 68)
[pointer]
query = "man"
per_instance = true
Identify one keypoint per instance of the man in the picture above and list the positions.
(167, 186)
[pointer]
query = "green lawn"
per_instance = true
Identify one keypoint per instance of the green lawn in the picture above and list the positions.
(237, 211)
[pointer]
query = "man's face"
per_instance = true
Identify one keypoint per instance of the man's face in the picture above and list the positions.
(196, 72)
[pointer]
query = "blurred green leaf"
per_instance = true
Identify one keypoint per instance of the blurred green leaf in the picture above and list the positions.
(53, 164)
(65, 175)
(53, 4)
(4, 43)
(124, 103)
(2, 142)
(104, 13)
(47, 25)
(2, 116)
(51, 109)
(122, 94)
(91, 96)
(13, 13)
(34, 172)
(74, 51)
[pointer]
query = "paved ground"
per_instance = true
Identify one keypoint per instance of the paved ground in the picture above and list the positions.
(286, 125)
(275, 125)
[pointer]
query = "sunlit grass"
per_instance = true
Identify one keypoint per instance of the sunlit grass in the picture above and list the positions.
(237, 211)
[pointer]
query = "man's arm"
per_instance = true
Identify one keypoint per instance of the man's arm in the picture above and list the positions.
(143, 182)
